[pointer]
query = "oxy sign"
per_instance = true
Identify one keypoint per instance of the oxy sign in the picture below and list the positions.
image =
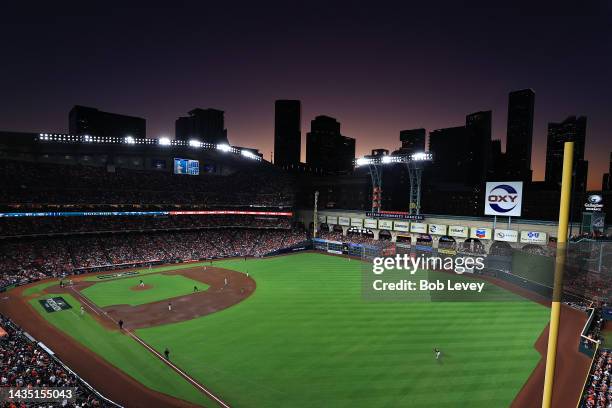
(504, 198)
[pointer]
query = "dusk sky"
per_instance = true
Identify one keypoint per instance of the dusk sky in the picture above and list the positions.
(377, 68)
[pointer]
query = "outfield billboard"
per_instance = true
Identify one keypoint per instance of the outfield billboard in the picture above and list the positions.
(403, 226)
(418, 227)
(346, 221)
(533, 237)
(370, 223)
(322, 219)
(457, 231)
(480, 233)
(437, 229)
(332, 220)
(357, 222)
(504, 198)
(506, 235)
(385, 224)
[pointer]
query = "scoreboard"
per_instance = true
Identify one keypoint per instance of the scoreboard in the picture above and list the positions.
(186, 166)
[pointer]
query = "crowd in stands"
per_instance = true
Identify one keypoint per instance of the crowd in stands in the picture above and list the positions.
(22, 261)
(46, 183)
(354, 237)
(25, 364)
(598, 392)
(596, 235)
(20, 226)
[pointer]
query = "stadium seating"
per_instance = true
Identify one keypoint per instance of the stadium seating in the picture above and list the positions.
(598, 392)
(45, 184)
(25, 364)
(22, 261)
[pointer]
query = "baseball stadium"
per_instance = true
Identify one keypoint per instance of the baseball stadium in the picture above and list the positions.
(149, 273)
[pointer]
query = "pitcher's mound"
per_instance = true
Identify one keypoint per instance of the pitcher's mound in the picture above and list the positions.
(138, 287)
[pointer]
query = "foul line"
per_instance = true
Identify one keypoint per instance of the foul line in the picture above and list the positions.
(199, 386)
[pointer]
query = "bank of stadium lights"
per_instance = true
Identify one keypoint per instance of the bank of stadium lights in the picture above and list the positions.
(195, 143)
(248, 154)
(224, 147)
(163, 141)
(388, 159)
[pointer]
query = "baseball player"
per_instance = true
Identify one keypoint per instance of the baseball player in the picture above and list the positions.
(141, 284)
(169, 306)
(82, 310)
(437, 353)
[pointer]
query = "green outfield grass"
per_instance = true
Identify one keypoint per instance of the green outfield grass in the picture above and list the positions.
(121, 351)
(118, 291)
(307, 338)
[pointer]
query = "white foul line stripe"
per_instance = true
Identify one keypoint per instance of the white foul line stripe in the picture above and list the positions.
(93, 307)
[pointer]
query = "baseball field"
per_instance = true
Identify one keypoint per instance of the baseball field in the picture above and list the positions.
(296, 332)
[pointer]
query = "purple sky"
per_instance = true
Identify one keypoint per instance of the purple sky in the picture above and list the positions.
(377, 69)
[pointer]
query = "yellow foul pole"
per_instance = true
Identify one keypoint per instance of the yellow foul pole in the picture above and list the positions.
(555, 309)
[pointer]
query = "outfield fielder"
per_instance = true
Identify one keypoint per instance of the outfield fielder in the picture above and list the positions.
(438, 353)
(169, 306)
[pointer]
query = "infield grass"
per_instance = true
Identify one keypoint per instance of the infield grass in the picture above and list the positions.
(120, 291)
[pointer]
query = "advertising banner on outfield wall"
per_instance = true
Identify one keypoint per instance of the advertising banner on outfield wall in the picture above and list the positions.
(506, 235)
(418, 227)
(480, 233)
(403, 226)
(322, 219)
(346, 221)
(385, 224)
(437, 229)
(357, 222)
(504, 198)
(370, 223)
(332, 220)
(457, 231)
(533, 237)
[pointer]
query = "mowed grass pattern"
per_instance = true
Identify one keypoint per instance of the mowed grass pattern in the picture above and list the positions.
(306, 338)
(121, 351)
(119, 292)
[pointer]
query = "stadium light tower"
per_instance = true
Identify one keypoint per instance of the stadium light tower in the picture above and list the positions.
(414, 162)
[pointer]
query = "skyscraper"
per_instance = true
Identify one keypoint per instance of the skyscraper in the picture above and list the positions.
(83, 120)
(572, 129)
(606, 183)
(287, 132)
(450, 149)
(478, 126)
(205, 125)
(326, 148)
(413, 141)
(520, 134)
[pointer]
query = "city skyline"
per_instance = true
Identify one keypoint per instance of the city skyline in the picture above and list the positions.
(372, 69)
